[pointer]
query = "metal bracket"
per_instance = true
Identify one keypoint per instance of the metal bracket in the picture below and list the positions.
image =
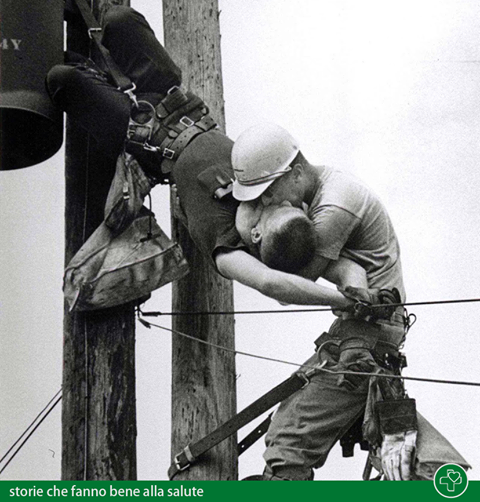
(91, 30)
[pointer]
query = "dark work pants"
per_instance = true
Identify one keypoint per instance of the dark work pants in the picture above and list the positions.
(96, 105)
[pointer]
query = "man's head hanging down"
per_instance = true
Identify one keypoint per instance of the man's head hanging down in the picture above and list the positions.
(268, 167)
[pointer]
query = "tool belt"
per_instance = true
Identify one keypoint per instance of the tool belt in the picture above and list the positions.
(381, 339)
(159, 132)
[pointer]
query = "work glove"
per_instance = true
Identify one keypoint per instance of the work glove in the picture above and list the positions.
(398, 427)
(366, 299)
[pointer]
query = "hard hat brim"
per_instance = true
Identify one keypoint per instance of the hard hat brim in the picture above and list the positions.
(245, 193)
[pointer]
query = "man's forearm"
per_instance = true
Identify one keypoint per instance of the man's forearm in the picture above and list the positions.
(344, 272)
(283, 287)
(293, 289)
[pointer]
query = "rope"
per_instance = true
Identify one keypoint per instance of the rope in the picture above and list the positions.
(34, 429)
(85, 329)
(325, 370)
(324, 309)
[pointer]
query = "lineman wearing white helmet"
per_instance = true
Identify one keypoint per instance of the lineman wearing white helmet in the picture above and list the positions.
(260, 155)
(202, 170)
(350, 222)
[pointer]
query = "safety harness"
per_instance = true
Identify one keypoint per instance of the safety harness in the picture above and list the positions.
(158, 131)
(158, 134)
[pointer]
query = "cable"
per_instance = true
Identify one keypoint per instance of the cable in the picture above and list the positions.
(286, 311)
(234, 312)
(28, 428)
(325, 370)
(28, 437)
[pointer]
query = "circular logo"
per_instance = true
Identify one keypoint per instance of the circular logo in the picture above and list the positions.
(450, 481)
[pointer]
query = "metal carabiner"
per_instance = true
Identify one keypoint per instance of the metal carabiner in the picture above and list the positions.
(143, 106)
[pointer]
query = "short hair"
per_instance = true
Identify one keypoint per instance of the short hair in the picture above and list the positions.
(291, 246)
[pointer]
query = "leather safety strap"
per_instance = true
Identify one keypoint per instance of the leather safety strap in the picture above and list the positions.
(192, 452)
(174, 99)
(254, 436)
(95, 33)
(171, 149)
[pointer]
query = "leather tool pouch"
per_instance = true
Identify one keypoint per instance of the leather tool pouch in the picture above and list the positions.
(216, 181)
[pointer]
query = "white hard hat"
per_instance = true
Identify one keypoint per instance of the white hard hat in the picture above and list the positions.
(260, 155)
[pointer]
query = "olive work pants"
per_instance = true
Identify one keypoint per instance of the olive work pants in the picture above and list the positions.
(307, 425)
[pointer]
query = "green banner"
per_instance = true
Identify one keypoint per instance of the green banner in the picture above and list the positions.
(230, 490)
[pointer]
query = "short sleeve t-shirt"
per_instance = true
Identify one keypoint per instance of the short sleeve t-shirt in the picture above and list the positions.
(352, 222)
(211, 222)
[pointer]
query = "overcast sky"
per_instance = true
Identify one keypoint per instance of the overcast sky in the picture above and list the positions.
(388, 91)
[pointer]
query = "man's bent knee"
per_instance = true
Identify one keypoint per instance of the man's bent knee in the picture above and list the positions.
(118, 18)
(59, 77)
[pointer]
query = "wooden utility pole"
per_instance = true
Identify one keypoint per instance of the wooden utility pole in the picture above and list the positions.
(98, 416)
(203, 379)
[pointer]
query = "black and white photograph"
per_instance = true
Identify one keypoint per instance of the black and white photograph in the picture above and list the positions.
(239, 239)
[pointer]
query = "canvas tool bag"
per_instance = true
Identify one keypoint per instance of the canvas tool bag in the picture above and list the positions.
(127, 192)
(111, 270)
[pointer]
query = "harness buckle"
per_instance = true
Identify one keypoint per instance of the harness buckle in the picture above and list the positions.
(186, 121)
(91, 30)
(176, 461)
(188, 455)
(168, 153)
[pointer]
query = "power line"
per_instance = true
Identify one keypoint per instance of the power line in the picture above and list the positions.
(323, 309)
(325, 370)
(256, 356)
(33, 430)
(28, 428)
